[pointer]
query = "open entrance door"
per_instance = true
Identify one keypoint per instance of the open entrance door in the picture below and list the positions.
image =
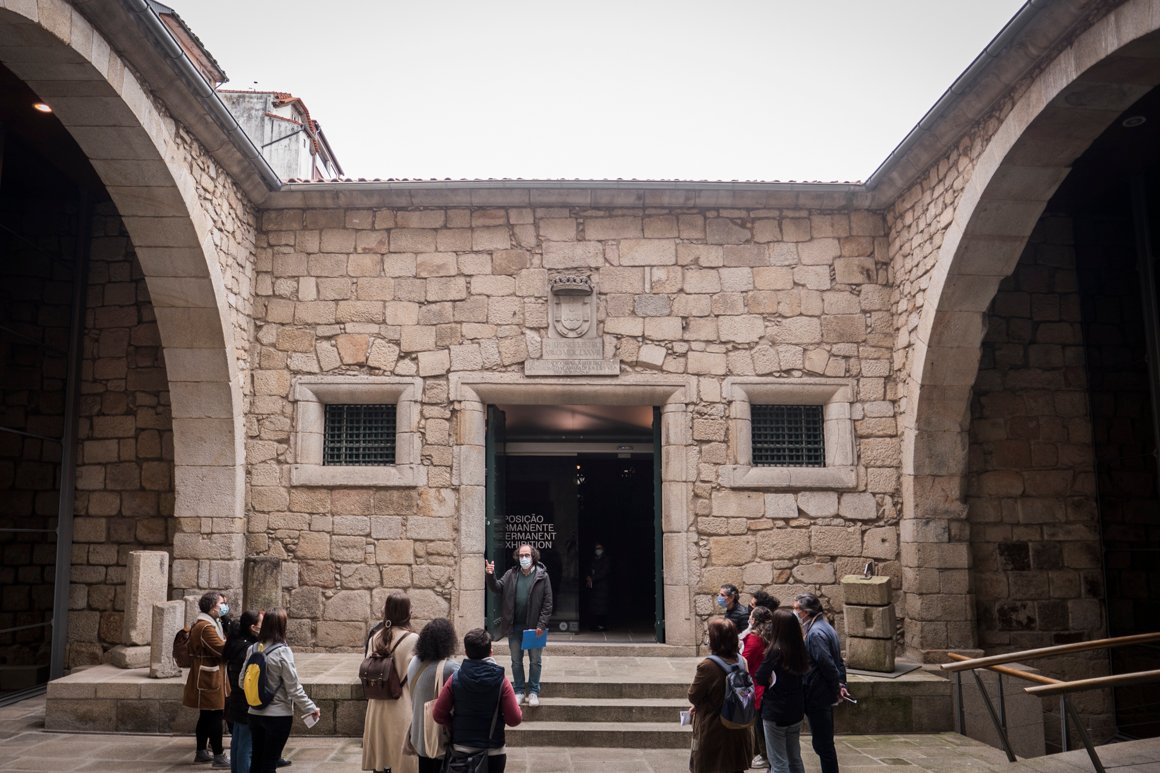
(566, 479)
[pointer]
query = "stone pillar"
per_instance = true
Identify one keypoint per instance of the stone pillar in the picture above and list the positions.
(263, 583)
(191, 610)
(168, 619)
(869, 623)
(148, 584)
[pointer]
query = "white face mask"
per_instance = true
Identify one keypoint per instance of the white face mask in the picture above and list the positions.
(599, 552)
(525, 562)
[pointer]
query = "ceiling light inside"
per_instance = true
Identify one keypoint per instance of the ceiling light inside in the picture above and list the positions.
(1133, 121)
(41, 107)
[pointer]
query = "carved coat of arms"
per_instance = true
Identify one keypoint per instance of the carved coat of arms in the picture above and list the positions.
(572, 306)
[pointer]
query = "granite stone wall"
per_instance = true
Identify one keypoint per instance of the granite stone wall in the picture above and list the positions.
(431, 293)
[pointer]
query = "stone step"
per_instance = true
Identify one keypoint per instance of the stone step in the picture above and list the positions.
(592, 649)
(660, 710)
(606, 735)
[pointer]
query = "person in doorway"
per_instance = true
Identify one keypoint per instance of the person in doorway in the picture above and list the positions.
(206, 687)
(387, 719)
(478, 698)
(599, 582)
(728, 600)
(825, 682)
(243, 633)
(526, 592)
(270, 725)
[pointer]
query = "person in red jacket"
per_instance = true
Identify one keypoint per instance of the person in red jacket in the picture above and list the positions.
(756, 642)
(467, 703)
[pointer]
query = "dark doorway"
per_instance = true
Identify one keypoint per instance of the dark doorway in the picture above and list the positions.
(565, 489)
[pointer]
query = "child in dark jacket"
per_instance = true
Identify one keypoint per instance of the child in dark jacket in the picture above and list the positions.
(468, 702)
(783, 700)
(243, 633)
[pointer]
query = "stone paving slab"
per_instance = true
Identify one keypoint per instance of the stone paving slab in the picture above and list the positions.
(26, 746)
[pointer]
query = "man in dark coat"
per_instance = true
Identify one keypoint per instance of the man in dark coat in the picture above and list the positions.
(729, 600)
(825, 682)
(526, 592)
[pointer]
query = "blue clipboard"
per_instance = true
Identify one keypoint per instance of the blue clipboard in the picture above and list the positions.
(533, 642)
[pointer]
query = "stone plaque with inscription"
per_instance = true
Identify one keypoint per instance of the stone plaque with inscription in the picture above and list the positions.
(572, 347)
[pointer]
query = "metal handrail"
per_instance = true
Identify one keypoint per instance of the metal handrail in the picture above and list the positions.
(1048, 686)
(1095, 683)
(1046, 652)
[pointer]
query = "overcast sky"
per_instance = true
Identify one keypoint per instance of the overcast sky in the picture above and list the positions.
(604, 89)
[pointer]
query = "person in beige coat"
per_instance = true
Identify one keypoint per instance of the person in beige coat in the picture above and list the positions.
(387, 721)
(206, 687)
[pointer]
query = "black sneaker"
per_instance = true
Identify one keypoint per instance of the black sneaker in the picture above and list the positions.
(282, 763)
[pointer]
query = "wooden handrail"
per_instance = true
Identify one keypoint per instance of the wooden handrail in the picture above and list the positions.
(1118, 680)
(1030, 677)
(1045, 652)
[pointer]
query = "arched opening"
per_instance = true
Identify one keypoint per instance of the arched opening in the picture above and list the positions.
(157, 428)
(1014, 418)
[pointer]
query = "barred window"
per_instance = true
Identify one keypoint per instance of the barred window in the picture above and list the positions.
(359, 435)
(788, 435)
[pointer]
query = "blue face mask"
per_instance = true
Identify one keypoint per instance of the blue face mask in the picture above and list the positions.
(525, 562)
(722, 601)
(223, 609)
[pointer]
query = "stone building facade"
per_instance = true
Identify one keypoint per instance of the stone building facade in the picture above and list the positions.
(961, 321)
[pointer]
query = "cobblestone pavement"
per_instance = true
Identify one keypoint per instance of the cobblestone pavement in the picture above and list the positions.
(26, 746)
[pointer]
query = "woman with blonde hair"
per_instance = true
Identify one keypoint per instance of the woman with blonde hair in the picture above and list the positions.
(387, 719)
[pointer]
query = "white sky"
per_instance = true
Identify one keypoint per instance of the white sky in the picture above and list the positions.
(604, 89)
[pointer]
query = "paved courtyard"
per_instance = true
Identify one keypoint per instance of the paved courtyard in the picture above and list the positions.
(26, 746)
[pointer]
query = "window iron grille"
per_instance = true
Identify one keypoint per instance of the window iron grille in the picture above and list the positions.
(788, 435)
(359, 435)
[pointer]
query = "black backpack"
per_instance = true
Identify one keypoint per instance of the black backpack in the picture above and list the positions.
(739, 709)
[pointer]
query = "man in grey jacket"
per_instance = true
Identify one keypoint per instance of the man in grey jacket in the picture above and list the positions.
(526, 592)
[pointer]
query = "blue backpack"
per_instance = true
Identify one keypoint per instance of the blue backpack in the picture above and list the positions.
(255, 681)
(739, 709)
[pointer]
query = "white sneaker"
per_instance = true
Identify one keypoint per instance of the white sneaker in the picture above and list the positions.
(759, 762)
(524, 699)
(533, 700)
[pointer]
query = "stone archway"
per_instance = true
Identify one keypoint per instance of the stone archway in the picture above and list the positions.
(130, 144)
(1067, 106)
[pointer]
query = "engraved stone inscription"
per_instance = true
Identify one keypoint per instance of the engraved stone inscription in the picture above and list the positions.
(589, 349)
(572, 367)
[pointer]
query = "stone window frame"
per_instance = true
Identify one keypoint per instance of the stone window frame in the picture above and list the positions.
(834, 395)
(312, 394)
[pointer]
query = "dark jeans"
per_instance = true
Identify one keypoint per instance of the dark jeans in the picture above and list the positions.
(209, 730)
(822, 737)
(269, 736)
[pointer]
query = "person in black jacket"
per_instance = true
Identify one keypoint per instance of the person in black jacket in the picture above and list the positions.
(243, 633)
(825, 682)
(783, 701)
(526, 593)
(476, 698)
(729, 600)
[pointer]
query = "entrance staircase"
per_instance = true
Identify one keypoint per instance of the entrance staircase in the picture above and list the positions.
(605, 694)
(610, 695)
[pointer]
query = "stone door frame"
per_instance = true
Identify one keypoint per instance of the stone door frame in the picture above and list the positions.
(471, 393)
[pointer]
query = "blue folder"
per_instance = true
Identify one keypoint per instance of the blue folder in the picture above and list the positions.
(533, 642)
